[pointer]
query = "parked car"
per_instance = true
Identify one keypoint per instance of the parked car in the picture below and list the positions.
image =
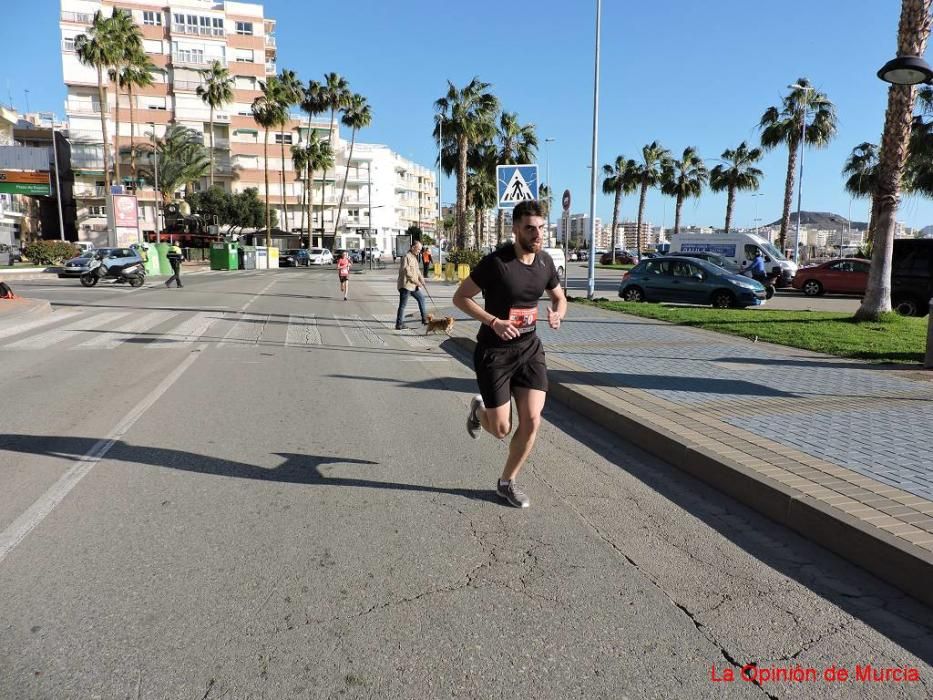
(623, 257)
(294, 258)
(356, 256)
(372, 253)
(114, 256)
(690, 281)
(842, 276)
(320, 256)
(10, 254)
(714, 258)
(912, 276)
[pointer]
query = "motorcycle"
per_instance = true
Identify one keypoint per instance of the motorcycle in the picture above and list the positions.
(133, 273)
(768, 281)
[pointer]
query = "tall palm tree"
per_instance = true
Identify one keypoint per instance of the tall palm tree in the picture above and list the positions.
(357, 116)
(334, 96)
(621, 178)
(300, 163)
(516, 143)
(216, 90)
(482, 195)
(290, 93)
(312, 102)
(467, 118)
(182, 160)
(650, 174)
(738, 173)
(137, 73)
(108, 41)
(861, 170)
(685, 178)
(320, 157)
(267, 113)
(912, 34)
(782, 125)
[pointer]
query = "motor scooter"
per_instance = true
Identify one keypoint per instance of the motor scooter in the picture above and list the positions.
(133, 273)
(768, 281)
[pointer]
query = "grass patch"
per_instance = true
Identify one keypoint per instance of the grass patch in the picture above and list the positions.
(898, 339)
(617, 266)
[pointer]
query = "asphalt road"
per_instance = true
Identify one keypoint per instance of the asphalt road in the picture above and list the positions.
(249, 488)
(607, 285)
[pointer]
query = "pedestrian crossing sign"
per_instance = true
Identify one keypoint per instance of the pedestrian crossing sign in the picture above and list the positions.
(516, 183)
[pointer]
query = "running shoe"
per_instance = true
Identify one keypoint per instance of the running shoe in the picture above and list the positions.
(512, 495)
(473, 423)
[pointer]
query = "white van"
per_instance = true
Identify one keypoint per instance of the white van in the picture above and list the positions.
(740, 248)
(557, 255)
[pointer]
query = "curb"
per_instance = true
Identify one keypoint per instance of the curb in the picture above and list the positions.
(23, 308)
(890, 558)
(28, 273)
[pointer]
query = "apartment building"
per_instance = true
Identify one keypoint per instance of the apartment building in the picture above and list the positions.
(186, 36)
(577, 231)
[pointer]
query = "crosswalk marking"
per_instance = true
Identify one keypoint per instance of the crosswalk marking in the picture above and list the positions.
(49, 338)
(248, 330)
(112, 338)
(185, 334)
(38, 323)
(302, 330)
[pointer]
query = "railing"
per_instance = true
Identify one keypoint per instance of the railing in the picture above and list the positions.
(270, 69)
(78, 17)
(200, 31)
(186, 85)
(270, 40)
(95, 191)
(197, 59)
(82, 108)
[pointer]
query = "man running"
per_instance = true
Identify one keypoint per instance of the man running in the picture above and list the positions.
(509, 358)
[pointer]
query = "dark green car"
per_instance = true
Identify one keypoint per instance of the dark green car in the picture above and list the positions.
(689, 281)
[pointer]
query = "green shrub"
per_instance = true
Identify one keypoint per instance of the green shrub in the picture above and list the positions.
(50, 252)
(463, 257)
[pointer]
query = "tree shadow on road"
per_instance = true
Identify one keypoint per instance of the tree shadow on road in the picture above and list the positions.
(295, 468)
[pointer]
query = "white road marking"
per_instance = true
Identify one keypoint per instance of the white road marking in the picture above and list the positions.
(121, 334)
(37, 512)
(302, 330)
(38, 323)
(342, 331)
(184, 335)
(49, 338)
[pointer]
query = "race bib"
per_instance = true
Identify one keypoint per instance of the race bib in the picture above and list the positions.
(524, 319)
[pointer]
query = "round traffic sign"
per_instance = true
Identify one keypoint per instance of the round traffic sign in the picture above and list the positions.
(566, 200)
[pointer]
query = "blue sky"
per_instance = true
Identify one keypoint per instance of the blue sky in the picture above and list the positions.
(681, 72)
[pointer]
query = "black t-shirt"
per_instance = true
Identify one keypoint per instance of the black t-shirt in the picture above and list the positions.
(509, 287)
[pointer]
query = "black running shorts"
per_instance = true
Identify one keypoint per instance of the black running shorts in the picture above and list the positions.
(499, 370)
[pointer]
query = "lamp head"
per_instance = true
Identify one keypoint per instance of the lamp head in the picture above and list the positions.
(906, 70)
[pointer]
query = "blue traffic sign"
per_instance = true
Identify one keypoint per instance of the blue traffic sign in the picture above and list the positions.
(516, 183)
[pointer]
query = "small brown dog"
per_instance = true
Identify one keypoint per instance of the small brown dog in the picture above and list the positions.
(441, 324)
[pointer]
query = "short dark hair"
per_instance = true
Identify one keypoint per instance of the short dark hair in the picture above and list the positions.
(527, 207)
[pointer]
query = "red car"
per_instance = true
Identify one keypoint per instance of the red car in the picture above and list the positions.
(842, 276)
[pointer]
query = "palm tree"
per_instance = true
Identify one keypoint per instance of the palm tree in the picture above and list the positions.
(782, 125)
(320, 157)
(291, 92)
(334, 95)
(738, 173)
(516, 144)
(912, 35)
(650, 174)
(357, 116)
(467, 118)
(216, 91)
(482, 195)
(685, 178)
(312, 102)
(267, 113)
(182, 160)
(137, 73)
(106, 45)
(621, 178)
(300, 163)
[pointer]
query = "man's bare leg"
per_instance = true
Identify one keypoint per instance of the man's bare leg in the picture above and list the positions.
(529, 404)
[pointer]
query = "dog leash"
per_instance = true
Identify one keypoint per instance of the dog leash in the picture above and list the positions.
(433, 303)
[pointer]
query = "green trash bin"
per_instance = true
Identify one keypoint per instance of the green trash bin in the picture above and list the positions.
(224, 256)
(161, 250)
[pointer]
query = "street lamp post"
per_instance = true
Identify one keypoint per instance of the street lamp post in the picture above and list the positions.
(550, 190)
(756, 195)
(440, 174)
(803, 148)
(591, 267)
(158, 197)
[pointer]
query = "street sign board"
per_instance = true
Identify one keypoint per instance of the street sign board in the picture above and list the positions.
(25, 182)
(516, 183)
(566, 200)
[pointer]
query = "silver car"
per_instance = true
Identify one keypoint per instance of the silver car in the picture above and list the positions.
(79, 265)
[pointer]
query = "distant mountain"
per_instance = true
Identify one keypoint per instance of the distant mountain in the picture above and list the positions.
(822, 220)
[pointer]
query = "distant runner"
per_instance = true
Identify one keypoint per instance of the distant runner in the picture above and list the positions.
(343, 273)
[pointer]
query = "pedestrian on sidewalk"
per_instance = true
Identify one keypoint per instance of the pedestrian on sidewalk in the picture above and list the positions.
(174, 256)
(343, 273)
(410, 283)
(509, 358)
(426, 259)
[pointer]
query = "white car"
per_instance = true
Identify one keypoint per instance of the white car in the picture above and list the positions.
(320, 256)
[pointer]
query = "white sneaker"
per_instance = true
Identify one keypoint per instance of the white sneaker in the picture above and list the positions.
(473, 424)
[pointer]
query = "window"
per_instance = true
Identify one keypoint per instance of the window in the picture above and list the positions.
(153, 19)
(97, 211)
(152, 46)
(245, 28)
(283, 138)
(68, 44)
(217, 25)
(243, 55)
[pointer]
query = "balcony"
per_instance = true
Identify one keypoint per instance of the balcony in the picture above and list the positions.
(85, 191)
(270, 41)
(270, 69)
(82, 108)
(216, 32)
(196, 58)
(78, 17)
(186, 85)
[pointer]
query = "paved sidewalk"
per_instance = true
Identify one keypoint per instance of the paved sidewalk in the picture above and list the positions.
(838, 450)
